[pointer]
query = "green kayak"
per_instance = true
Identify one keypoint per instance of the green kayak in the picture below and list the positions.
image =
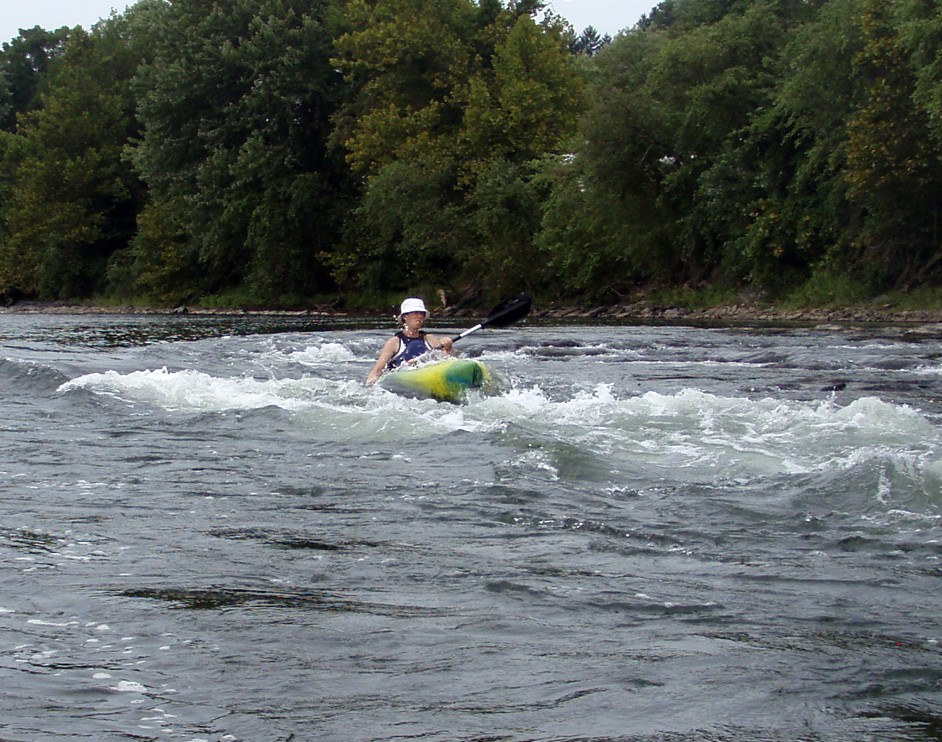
(446, 381)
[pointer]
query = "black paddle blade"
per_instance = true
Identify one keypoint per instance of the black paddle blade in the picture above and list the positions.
(508, 312)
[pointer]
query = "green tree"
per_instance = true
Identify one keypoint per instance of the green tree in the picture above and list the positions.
(664, 137)
(236, 109)
(73, 200)
(589, 42)
(774, 197)
(16, 276)
(919, 25)
(23, 63)
(525, 102)
(601, 227)
(449, 102)
(405, 62)
(407, 230)
(522, 107)
(893, 171)
(7, 112)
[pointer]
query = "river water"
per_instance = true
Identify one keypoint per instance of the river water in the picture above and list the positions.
(210, 529)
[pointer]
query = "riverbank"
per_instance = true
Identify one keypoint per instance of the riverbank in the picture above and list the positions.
(743, 313)
(755, 313)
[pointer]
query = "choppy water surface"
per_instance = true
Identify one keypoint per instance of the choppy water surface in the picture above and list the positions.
(211, 530)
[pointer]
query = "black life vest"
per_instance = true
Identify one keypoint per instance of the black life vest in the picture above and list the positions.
(409, 348)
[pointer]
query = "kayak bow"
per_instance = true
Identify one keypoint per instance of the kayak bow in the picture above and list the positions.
(446, 381)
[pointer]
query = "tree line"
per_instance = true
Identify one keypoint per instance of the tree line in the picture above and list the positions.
(288, 151)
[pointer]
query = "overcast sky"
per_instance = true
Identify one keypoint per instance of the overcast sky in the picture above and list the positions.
(607, 16)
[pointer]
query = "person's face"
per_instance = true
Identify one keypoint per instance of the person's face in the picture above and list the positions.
(413, 320)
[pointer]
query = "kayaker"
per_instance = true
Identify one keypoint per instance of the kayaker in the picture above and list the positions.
(410, 342)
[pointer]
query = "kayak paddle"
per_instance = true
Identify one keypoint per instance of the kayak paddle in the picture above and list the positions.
(503, 314)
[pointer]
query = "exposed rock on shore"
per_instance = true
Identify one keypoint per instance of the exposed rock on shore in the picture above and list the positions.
(750, 313)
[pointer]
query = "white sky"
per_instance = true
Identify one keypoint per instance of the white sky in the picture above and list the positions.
(53, 14)
(607, 16)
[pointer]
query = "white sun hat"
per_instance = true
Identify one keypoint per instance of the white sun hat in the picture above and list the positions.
(412, 304)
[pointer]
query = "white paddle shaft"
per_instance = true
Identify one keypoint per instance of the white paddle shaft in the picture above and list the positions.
(469, 331)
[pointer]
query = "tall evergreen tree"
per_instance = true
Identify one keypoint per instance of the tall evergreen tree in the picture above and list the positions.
(589, 42)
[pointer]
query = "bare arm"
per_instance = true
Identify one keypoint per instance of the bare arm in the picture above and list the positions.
(385, 355)
(437, 343)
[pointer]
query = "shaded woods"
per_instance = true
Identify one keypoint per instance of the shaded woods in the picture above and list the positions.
(289, 152)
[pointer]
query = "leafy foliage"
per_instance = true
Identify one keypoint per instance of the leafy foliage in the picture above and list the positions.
(589, 42)
(72, 199)
(450, 101)
(24, 62)
(281, 149)
(236, 108)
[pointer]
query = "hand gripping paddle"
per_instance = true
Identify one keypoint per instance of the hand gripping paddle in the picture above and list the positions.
(503, 314)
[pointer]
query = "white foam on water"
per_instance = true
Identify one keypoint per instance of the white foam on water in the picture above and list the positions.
(129, 686)
(194, 391)
(733, 436)
(933, 370)
(690, 429)
(344, 409)
(322, 355)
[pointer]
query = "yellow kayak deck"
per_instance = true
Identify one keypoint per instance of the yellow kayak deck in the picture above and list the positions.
(446, 381)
